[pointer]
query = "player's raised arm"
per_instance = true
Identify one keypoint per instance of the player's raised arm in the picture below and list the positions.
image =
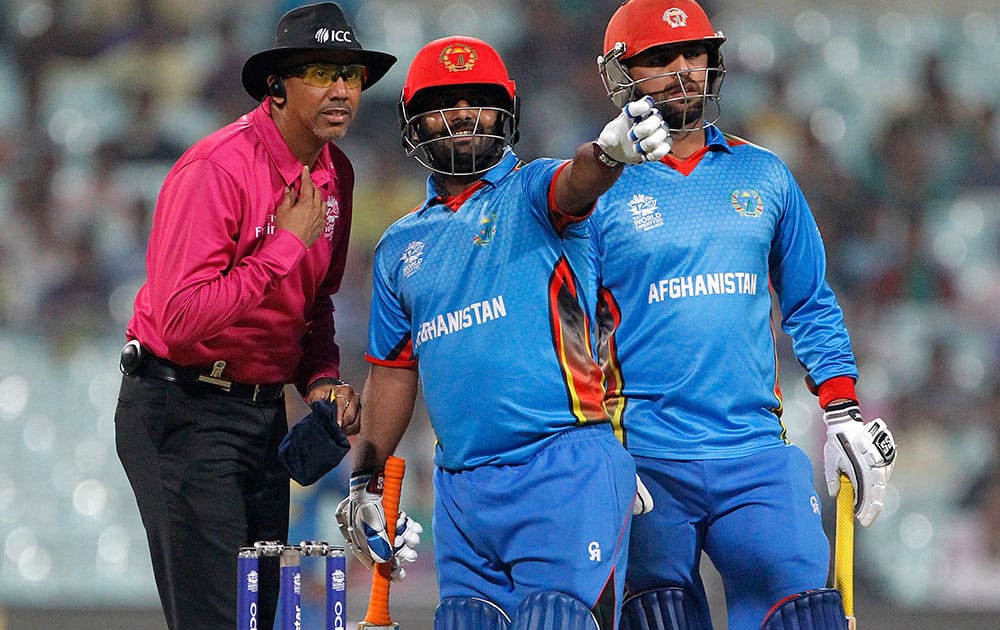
(635, 136)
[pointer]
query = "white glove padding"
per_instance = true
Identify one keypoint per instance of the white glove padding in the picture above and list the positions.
(636, 135)
(643, 500)
(361, 519)
(866, 452)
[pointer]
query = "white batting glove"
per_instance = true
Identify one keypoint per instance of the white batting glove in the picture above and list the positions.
(643, 500)
(866, 452)
(361, 519)
(636, 135)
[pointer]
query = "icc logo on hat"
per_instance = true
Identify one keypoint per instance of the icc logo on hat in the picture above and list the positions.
(326, 35)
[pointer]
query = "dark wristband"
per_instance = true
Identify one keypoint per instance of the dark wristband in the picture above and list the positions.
(604, 158)
(364, 473)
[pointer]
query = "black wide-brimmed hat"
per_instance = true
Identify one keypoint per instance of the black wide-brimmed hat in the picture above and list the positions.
(320, 31)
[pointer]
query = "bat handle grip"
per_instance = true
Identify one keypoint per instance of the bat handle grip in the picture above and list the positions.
(843, 573)
(378, 603)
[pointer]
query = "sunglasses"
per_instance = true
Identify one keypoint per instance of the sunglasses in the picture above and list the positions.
(323, 75)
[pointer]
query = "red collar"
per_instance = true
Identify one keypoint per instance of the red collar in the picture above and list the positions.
(455, 201)
(688, 164)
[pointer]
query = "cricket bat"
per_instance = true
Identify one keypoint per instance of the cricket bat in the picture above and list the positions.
(378, 617)
(843, 562)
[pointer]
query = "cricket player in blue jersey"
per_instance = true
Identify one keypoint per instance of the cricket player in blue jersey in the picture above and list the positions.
(690, 247)
(485, 295)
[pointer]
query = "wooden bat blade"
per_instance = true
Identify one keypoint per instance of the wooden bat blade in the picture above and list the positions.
(843, 562)
(378, 617)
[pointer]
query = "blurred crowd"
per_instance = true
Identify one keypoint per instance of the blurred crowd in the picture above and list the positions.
(887, 117)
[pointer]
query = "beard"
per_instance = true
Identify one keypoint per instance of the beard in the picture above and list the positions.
(475, 156)
(683, 113)
(681, 102)
(467, 154)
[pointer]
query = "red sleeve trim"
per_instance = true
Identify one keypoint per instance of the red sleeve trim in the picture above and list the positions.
(560, 220)
(393, 364)
(836, 387)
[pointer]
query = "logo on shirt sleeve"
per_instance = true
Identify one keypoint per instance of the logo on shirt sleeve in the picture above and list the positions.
(268, 227)
(412, 258)
(332, 214)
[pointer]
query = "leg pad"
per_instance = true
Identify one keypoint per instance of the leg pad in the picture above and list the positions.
(549, 610)
(818, 609)
(467, 613)
(660, 609)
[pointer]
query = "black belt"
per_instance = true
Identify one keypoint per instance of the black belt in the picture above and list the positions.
(153, 366)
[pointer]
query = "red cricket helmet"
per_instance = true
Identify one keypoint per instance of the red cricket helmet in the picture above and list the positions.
(464, 62)
(639, 25)
(643, 24)
(456, 60)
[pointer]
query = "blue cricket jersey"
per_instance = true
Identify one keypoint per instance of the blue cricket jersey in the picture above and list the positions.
(491, 302)
(687, 256)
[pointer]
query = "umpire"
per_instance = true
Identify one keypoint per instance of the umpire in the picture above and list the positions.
(248, 244)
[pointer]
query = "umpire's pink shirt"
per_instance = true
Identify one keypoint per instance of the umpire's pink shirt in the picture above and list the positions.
(222, 282)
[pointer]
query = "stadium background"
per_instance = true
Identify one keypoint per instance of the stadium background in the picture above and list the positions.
(885, 111)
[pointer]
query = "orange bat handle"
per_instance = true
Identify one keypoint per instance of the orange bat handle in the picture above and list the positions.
(378, 601)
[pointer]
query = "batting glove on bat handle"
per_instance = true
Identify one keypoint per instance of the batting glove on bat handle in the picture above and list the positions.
(361, 519)
(865, 452)
(638, 134)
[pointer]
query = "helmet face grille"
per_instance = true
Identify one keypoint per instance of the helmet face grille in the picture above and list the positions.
(448, 138)
(458, 141)
(686, 109)
(682, 109)
(617, 81)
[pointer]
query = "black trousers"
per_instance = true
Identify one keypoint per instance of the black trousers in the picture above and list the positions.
(207, 480)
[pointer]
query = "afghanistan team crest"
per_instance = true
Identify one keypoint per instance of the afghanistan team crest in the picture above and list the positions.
(747, 202)
(487, 230)
(458, 58)
(675, 17)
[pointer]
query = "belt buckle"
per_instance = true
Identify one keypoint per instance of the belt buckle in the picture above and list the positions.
(215, 378)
